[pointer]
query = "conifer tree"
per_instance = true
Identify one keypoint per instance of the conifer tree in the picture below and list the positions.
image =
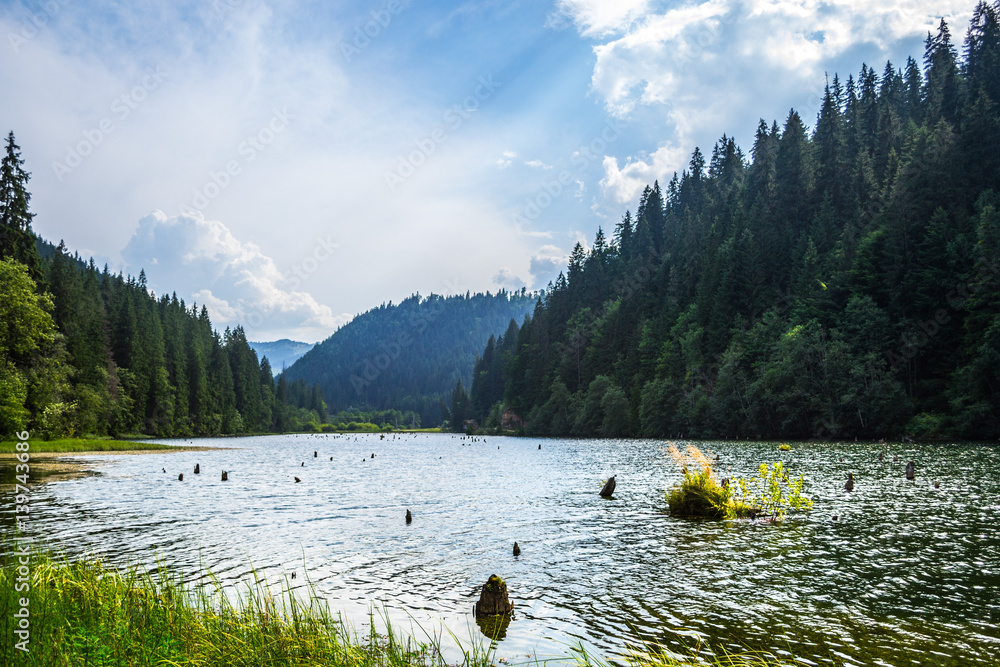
(17, 241)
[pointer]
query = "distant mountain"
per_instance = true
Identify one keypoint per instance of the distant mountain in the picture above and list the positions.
(281, 353)
(411, 355)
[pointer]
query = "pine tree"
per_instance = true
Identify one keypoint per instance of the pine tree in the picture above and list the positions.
(17, 241)
(943, 90)
(828, 141)
(982, 53)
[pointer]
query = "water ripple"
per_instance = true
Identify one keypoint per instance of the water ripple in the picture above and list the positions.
(907, 573)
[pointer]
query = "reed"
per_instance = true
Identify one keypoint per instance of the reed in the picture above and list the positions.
(88, 612)
(772, 493)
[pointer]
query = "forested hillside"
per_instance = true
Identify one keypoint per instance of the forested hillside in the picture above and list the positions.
(408, 356)
(836, 282)
(85, 351)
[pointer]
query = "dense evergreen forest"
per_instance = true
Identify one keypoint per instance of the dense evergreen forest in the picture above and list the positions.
(409, 356)
(87, 352)
(839, 282)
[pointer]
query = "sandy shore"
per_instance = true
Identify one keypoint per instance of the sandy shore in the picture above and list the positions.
(62, 466)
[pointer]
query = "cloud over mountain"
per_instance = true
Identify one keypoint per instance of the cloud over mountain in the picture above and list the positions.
(702, 65)
(202, 261)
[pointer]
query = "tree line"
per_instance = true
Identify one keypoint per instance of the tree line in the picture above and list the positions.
(837, 282)
(84, 351)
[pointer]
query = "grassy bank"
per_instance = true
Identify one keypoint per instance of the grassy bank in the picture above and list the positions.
(86, 612)
(71, 445)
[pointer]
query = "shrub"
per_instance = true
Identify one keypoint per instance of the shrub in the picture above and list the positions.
(699, 494)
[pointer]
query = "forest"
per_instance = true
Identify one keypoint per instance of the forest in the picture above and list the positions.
(839, 282)
(408, 356)
(84, 352)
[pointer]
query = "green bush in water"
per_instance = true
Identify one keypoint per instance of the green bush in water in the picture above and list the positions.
(771, 494)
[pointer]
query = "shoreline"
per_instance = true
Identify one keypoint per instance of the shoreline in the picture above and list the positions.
(107, 452)
(63, 462)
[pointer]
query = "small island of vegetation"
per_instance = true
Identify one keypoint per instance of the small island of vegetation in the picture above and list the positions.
(771, 494)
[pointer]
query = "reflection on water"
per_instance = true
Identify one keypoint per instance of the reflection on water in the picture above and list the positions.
(494, 628)
(908, 573)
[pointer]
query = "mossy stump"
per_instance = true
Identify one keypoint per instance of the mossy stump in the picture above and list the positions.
(493, 600)
(609, 488)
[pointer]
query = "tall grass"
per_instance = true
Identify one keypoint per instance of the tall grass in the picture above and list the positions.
(87, 612)
(70, 445)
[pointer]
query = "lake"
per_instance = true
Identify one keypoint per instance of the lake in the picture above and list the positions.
(907, 574)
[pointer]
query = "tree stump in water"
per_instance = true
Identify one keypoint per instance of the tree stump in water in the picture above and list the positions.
(315, 454)
(911, 471)
(517, 549)
(297, 480)
(850, 482)
(180, 477)
(197, 468)
(493, 599)
(409, 517)
(609, 488)
(225, 476)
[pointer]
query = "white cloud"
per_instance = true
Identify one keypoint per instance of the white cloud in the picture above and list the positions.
(623, 184)
(596, 18)
(202, 261)
(506, 159)
(546, 265)
(537, 164)
(507, 279)
(716, 66)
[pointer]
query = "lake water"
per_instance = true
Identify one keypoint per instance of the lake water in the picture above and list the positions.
(908, 574)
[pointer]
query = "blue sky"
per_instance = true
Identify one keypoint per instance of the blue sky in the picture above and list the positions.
(291, 164)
